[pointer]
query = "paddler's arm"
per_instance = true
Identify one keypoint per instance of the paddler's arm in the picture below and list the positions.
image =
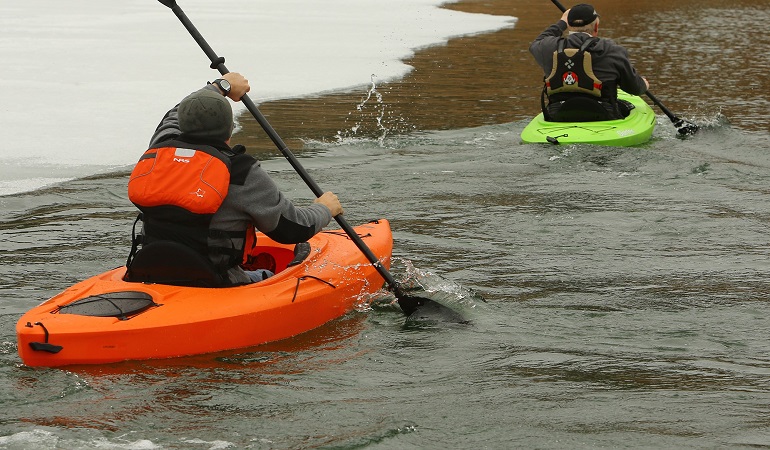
(544, 53)
(630, 80)
(255, 194)
(329, 199)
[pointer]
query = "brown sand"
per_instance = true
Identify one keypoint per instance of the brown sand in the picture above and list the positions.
(471, 81)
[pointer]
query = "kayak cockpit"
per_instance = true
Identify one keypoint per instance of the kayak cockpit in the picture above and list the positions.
(173, 263)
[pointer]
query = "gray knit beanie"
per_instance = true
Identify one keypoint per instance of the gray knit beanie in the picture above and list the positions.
(206, 114)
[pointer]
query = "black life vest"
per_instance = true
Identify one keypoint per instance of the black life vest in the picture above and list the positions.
(573, 90)
(572, 71)
(178, 189)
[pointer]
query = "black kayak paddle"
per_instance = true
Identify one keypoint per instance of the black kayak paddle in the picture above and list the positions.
(683, 127)
(409, 304)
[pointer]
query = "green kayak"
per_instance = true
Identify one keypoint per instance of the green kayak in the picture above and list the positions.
(633, 130)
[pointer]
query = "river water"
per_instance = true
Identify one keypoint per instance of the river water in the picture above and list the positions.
(617, 296)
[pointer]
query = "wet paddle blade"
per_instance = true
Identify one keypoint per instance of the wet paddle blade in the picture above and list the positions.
(410, 304)
(685, 128)
(427, 309)
(423, 307)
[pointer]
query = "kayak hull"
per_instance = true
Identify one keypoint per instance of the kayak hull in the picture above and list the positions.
(331, 281)
(633, 130)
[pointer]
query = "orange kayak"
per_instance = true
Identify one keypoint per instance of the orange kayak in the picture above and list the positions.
(104, 319)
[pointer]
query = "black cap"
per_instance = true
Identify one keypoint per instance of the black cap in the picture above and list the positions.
(581, 15)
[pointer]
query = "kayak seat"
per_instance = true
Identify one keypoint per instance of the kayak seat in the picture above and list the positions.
(169, 262)
(579, 109)
(301, 251)
(276, 259)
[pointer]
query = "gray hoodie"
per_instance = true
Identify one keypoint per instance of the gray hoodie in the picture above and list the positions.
(253, 198)
(610, 60)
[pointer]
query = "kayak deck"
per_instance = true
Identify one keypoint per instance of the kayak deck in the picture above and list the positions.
(177, 321)
(633, 130)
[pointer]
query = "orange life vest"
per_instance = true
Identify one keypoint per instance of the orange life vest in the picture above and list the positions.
(196, 180)
(178, 189)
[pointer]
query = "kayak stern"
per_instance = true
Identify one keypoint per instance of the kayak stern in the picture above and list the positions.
(633, 130)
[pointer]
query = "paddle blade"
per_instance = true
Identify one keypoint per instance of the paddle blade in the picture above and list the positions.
(685, 128)
(169, 3)
(421, 307)
(410, 304)
(426, 309)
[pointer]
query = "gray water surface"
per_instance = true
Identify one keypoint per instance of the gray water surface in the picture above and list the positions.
(618, 298)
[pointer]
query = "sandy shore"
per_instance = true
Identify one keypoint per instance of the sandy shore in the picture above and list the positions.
(476, 80)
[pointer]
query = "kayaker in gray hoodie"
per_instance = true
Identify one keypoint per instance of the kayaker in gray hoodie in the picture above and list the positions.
(203, 120)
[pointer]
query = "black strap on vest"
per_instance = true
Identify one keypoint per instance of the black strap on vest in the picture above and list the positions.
(585, 47)
(543, 95)
(135, 241)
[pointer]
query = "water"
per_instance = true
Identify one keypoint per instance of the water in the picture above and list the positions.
(618, 296)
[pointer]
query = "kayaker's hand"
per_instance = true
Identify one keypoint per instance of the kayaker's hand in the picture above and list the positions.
(564, 17)
(646, 83)
(330, 200)
(239, 85)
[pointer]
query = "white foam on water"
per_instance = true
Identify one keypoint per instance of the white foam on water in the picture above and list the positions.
(86, 82)
(42, 438)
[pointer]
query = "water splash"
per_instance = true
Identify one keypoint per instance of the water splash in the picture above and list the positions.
(372, 110)
(444, 291)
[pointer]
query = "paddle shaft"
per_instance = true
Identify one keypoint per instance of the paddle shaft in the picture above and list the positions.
(559, 5)
(218, 63)
(663, 108)
(682, 126)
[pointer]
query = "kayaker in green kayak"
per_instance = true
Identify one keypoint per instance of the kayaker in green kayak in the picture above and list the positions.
(583, 72)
